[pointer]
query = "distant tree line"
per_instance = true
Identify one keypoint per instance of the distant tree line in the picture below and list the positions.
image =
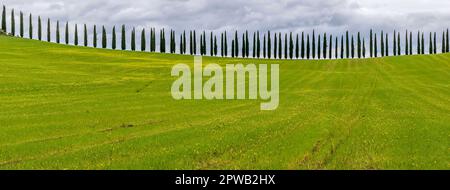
(272, 46)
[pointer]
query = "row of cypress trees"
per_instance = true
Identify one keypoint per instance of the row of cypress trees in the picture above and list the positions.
(285, 46)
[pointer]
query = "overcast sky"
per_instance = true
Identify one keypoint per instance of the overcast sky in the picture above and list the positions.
(332, 16)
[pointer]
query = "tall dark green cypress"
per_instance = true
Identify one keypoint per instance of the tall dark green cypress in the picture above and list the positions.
(49, 38)
(75, 38)
(232, 48)
(423, 43)
(244, 46)
(195, 43)
(430, 48)
(184, 42)
(318, 47)
(225, 44)
(123, 38)
(364, 48)
(371, 43)
(113, 38)
(447, 45)
(359, 45)
(325, 44)
(94, 37)
(21, 29)
(143, 40)
(313, 46)
(67, 33)
(291, 46)
(104, 38)
(443, 42)
(330, 50)
(353, 48)
(254, 44)
(307, 47)
(85, 36)
(39, 28)
(275, 44)
(258, 45)
(4, 19)
(191, 44)
(30, 27)
(418, 43)
(133, 39)
(297, 51)
(406, 43)
(222, 53)
(215, 45)
(382, 43)
(302, 54)
(342, 46)
(247, 49)
(264, 47)
(434, 44)
(399, 47)
(286, 46)
(387, 45)
(211, 45)
(410, 43)
(57, 32)
(336, 48)
(236, 44)
(269, 45)
(347, 45)
(375, 45)
(13, 23)
(280, 46)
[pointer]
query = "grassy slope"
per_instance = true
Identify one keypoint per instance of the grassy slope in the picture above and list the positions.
(80, 108)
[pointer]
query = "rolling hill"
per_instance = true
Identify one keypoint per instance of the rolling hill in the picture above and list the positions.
(66, 107)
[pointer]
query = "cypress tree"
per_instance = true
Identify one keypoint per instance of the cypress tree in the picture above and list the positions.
(31, 26)
(57, 32)
(184, 42)
(280, 46)
(104, 38)
(236, 44)
(76, 35)
(191, 45)
(303, 46)
(13, 23)
(247, 48)
(39, 28)
(313, 46)
(297, 51)
(447, 43)
(4, 19)
(221, 45)
(264, 47)
(162, 43)
(395, 43)
(225, 44)
(94, 37)
(342, 46)
(291, 46)
(443, 42)
(375, 46)
(49, 38)
(371, 43)
(387, 45)
(195, 43)
(269, 45)
(418, 43)
(382, 44)
(67, 33)
(330, 47)
(423, 43)
(286, 46)
(406, 43)
(399, 47)
(181, 44)
(325, 45)
(244, 44)
(353, 48)
(123, 39)
(215, 45)
(211, 45)
(434, 47)
(307, 47)
(113, 40)
(232, 48)
(275, 53)
(133, 39)
(359, 45)
(85, 38)
(258, 45)
(336, 48)
(364, 48)
(347, 45)
(254, 44)
(430, 49)
(410, 43)
(318, 47)
(21, 24)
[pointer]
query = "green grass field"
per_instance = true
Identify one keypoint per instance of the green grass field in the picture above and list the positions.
(65, 107)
